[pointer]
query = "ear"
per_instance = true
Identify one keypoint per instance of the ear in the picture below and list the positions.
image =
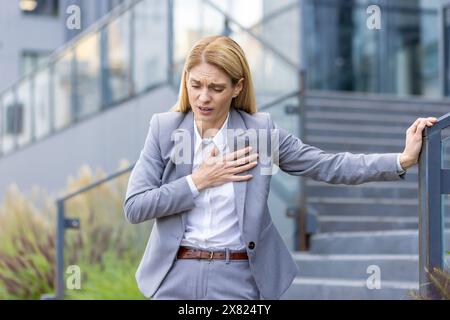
(238, 87)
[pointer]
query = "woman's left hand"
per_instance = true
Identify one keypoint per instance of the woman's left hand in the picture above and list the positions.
(413, 145)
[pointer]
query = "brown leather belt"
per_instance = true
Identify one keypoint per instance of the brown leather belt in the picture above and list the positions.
(189, 253)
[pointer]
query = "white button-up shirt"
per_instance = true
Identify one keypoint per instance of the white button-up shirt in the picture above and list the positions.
(213, 222)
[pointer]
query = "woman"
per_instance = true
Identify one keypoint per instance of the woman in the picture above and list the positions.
(213, 237)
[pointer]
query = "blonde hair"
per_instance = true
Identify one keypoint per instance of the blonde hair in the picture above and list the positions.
(224, 53)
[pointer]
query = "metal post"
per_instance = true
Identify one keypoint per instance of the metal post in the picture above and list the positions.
(302, 238)
(430, 214)
(59, 275)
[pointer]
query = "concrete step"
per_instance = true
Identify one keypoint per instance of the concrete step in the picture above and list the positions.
(346, 266)
(363, 206)
(364, 242)
(366, 223)
(348, 289)
(355, 191)
(333, 99)
(345, 108)
(369, 116)
(404, 185)
(353, 148)
(364, 141)
(317, 131)
(339, 127)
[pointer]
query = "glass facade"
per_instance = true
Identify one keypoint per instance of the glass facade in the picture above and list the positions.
(400, 58)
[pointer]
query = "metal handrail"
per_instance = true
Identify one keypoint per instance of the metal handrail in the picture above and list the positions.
(434, 181)
(62, 224)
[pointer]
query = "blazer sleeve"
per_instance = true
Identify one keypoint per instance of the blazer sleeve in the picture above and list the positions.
(146, 198)
(298, 158)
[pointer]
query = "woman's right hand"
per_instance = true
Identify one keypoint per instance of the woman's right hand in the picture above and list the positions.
(217, 170)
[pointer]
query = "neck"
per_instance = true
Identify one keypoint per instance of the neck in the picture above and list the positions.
(209, 129)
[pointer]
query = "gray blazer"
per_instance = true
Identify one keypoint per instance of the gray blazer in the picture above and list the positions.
(157, 189)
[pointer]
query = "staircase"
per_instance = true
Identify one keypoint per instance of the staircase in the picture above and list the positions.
(368, 226)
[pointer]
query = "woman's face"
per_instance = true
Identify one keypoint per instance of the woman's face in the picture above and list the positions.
(210, 93)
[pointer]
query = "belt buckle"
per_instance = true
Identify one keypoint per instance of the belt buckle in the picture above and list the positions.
(211, 254)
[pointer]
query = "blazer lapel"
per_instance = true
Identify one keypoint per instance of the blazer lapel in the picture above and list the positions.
(185, 168)
(240, 188)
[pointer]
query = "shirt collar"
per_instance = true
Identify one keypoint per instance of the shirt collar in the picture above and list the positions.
(219, 139)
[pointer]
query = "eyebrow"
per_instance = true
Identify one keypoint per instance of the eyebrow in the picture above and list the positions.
(220, 85)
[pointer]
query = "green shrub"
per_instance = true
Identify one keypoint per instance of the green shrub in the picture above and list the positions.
(106, 248)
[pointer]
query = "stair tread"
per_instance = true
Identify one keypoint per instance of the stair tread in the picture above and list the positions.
(386, 284)
(354, 257)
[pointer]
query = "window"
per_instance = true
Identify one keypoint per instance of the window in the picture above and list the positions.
(39, 7)
(9, 113)
(31, 59)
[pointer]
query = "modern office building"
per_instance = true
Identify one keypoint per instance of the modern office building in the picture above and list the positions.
(318, 68)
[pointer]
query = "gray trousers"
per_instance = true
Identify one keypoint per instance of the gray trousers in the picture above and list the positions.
(195, 279)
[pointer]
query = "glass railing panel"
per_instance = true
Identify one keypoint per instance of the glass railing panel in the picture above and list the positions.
(246, 13)
(272, 76)
(23, 112)
(116, 69)
(87, 53)
(41, 105)
(150, 59)
(8, 121)
(203, 21)
(62, 90)
(280, 28)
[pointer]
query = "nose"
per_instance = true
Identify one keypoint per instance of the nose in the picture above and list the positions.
(204, 96)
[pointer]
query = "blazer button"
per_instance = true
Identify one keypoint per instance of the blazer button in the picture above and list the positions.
(251, 245)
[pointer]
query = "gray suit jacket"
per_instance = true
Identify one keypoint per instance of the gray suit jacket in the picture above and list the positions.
(157, 189)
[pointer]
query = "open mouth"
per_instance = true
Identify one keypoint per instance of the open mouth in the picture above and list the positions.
(205, 109)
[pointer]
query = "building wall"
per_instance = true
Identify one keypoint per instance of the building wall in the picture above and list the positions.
(19, 32)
